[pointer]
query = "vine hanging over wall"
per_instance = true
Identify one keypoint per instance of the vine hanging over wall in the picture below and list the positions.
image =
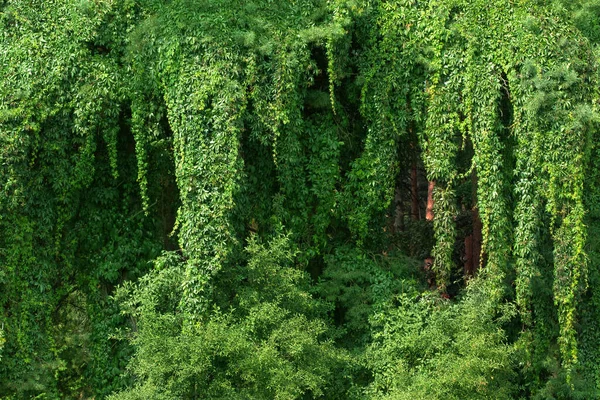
(271, 146)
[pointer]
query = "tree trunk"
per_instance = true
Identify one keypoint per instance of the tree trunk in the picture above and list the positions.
(429, 210)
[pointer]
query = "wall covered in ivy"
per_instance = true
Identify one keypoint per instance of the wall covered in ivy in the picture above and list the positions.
(305, 199)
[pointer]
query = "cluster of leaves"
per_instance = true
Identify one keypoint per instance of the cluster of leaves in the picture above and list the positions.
(269, 343)
(427, 348)
(356, 282)
(71, 222)
(205, 128)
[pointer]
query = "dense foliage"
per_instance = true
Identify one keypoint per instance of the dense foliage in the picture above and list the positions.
(342, 199)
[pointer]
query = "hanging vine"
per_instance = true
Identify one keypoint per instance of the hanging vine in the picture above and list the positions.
(283, 133)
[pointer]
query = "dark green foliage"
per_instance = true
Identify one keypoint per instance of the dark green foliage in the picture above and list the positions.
(210, 199)
(268, 343)
(428, 348)
(356, 282)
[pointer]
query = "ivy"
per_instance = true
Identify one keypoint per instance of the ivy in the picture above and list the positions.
(264, 150)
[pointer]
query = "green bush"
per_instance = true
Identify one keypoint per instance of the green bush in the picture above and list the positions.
(268, 344)
(426, 347)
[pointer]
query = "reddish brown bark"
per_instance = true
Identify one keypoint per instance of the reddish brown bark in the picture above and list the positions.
(429, 210)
